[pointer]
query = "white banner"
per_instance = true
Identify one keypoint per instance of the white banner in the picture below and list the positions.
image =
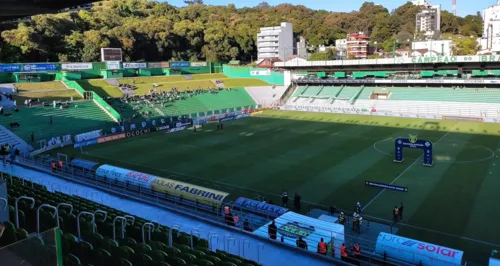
(113, 65)
(135, 65)
(76, 66)
(88, 135)
(198, 64)
(260, 72)
(396, 61)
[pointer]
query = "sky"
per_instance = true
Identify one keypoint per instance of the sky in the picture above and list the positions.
(464, 7)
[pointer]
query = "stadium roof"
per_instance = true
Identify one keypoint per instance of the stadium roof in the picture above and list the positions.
(13, 9)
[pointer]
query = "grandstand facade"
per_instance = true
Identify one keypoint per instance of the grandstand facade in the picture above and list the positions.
(431, 87)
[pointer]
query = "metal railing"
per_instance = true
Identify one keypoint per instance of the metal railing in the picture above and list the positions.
(212, 214)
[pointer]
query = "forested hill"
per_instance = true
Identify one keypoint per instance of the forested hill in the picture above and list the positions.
(154, 31)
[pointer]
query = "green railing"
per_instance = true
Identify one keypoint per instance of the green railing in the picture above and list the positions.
(96, 98)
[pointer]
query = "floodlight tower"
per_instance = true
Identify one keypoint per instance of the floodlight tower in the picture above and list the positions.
(454, 7)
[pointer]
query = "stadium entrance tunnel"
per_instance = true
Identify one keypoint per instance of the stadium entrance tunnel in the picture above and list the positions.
(443, 151)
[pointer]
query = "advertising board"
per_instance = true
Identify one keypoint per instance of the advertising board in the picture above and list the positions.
(416, 252)
(39, 67)
(111, 138)
(76, 66)
(198, 64)
(85, 143)
(113, 65)
(88, 135)
(165, 185)
(159, 65)
(134, 65)
(259, 207)
(179, 64)
(122, 174)
(9, 68)
(266, 72)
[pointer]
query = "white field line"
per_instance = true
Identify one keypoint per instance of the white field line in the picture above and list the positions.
(408, 168)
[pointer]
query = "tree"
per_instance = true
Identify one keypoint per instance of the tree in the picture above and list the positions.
(465, 45)
(263, 5)
(330, 54)
(149, 30)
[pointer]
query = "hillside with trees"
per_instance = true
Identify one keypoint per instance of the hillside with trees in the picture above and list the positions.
(156, 31)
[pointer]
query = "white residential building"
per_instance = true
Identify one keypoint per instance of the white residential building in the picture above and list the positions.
(276, 42)
(490, 42)
(301, 48)
(341, 45)
(428, 20)
(432, 48)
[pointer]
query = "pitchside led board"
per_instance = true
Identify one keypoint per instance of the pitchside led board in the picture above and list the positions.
(413, 143)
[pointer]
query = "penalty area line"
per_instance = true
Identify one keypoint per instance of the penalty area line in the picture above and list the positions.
(408, 168)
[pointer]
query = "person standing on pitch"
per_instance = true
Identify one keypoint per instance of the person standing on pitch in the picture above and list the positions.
(284, 198)
(395, 214)
(342, 218)
(400, 211)
(358, 208)
(296, 201)
(272, 231)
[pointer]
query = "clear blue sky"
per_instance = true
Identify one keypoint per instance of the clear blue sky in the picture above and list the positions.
(464, 7)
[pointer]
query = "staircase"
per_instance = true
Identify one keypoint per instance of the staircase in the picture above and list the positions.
(8, 137)
(113, 82)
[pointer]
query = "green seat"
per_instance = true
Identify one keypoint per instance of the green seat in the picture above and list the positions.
(103, 258)
(172, 252)
(183, 248)
(202, 243)
(71, 260)
(188, 258)
(124, 262)
(226, 263)
(9, 234)
(158, 255)
(176, 261)
(203, 262)
(21, 234)
(212, 259)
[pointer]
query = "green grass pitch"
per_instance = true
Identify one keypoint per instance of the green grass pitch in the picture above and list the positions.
(327, 158)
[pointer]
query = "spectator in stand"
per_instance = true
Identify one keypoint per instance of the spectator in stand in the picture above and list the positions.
(301, 243)
(322, 247)
(272, 231)
(246, 226)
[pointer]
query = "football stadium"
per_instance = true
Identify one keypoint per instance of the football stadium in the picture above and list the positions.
(383, 161)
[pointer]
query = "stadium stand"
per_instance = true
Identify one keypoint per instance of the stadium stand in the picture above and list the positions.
(177, 103)
(91, 236)
(7, 137)
(266, 96)
(77, 118)
(444, 101)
